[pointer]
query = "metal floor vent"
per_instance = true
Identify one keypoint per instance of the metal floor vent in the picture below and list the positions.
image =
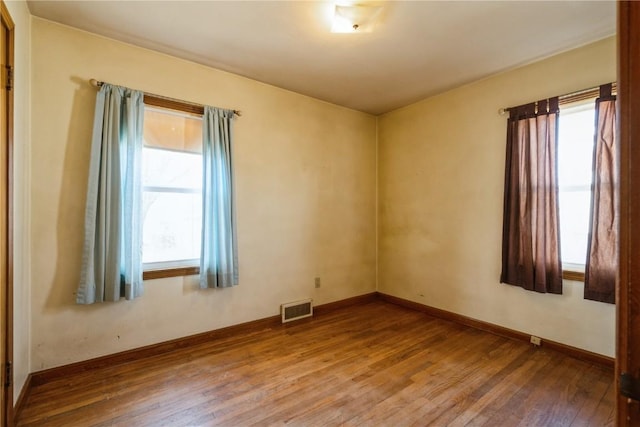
(296, 310)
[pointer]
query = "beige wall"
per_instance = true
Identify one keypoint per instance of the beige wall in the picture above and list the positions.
(21, 143)
(305, 174)
(441, 171)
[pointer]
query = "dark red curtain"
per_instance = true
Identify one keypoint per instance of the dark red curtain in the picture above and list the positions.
(602, 256)
(531, 238)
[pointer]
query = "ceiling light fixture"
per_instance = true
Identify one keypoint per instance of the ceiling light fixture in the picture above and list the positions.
(355, 18)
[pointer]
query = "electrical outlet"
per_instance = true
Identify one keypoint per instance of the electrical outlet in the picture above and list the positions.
(536, 341)
(317, 281)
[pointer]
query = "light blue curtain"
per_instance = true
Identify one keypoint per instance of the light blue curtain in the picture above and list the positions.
(219, 256)
(112, 256)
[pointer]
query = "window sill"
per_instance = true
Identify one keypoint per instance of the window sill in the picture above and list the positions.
(577, 276)
(170, 272)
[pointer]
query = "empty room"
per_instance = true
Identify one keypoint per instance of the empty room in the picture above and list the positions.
(319, 213)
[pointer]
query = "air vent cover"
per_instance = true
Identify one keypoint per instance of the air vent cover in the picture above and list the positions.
(296, 310)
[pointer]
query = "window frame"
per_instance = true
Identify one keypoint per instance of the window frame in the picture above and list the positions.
(175, 268)
(572, 271)
(576, 272)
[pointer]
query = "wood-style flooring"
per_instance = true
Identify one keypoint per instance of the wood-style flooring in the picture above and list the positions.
(375, 364)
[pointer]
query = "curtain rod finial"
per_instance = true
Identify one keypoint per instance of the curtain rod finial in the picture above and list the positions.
(95, 83)
(503, 111)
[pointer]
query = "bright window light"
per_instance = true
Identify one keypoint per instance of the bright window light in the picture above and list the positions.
(172, 205)
(575, 157)
(172, 188)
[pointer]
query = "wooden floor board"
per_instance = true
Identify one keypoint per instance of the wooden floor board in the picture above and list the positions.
(375, 364)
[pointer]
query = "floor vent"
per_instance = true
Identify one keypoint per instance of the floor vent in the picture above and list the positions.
(296, 310)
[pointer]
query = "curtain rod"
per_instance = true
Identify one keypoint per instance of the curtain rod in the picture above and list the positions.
(98, 83)
(578, 95)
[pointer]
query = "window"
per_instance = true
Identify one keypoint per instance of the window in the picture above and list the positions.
(172, 188)
(575, 159)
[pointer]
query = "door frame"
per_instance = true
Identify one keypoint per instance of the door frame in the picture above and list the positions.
(628, 288)
(6, 333)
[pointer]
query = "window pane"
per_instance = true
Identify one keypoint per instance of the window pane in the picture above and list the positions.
(173, 169)
(172, 223)
(575, 152)
(172, 183)
(170, 129)
(574, 225)
(575, 147)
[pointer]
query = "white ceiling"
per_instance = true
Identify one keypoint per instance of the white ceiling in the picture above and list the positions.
(417, 48)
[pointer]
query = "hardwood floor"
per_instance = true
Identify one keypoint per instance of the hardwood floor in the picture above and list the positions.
(372, 365)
